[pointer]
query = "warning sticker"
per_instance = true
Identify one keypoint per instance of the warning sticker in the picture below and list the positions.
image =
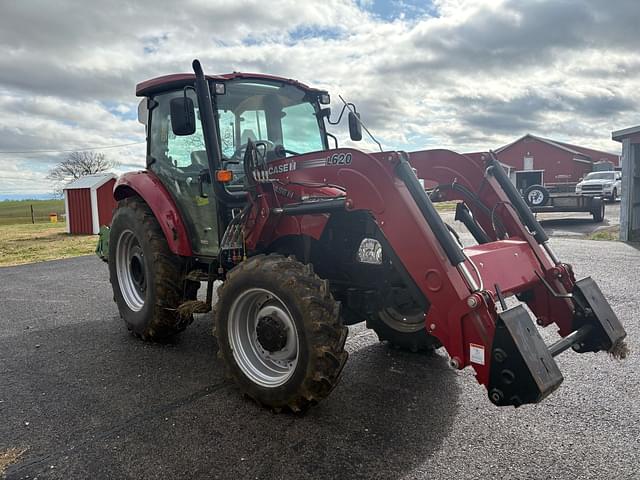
(476, 353)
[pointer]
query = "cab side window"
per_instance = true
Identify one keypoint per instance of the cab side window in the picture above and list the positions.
(169, 150)
(178, 162)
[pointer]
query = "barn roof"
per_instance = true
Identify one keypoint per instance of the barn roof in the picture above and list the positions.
(90, 181)
(587, 153)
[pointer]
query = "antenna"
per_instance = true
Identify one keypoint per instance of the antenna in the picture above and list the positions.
(357, 117)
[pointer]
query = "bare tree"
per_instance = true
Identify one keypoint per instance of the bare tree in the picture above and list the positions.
(79, 164)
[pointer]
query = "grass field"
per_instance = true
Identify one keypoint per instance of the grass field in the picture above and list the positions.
(22, 242)
(27, 243)
(445, 206)
(19, 211)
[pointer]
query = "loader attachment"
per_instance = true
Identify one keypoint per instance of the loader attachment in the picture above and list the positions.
(594, 312)
(522, 367)
(464, 288)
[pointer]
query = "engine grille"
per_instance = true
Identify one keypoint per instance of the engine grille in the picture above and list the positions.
(591, 188)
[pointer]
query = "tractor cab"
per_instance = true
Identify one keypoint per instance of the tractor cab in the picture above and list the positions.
(281, 117)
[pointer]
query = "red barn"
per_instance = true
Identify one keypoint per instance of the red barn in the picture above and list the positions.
(89, 203)
(537, 160)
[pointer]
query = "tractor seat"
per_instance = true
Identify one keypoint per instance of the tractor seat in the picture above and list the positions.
(199, 159)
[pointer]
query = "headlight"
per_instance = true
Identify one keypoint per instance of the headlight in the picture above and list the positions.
(370, 251)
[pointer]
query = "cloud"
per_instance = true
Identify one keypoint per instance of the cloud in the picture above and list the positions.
(460, 74)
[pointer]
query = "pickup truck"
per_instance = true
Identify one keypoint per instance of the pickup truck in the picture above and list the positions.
(601, 184)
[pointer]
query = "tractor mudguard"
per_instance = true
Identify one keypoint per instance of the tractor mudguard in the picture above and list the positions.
(149, 187)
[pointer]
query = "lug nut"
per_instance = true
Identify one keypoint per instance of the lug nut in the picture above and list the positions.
(454, 363)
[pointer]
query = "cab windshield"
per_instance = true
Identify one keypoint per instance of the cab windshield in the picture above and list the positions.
(280, 115)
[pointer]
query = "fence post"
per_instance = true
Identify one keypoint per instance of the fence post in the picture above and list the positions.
(33, 220)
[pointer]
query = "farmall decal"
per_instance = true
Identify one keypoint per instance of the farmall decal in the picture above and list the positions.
(282, 191)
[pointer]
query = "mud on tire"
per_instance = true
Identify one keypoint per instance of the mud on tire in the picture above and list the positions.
(279, 332)
(148, 280)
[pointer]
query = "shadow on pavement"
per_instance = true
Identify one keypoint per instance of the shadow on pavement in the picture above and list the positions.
(572, 226)
(91, 402)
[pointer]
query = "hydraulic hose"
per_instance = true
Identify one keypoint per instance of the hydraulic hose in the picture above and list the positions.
(495, 169)
(438, 227)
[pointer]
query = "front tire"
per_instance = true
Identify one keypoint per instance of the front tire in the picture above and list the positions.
(279, 332)
(148, 280)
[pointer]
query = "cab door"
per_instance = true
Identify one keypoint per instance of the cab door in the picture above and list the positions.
(179, 161)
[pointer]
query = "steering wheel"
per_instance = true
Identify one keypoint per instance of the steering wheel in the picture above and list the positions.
(267, 144)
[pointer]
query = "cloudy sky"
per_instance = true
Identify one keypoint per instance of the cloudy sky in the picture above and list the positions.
(460, 74)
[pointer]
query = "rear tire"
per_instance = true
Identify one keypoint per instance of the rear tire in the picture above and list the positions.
(279, 332)
(148, 280)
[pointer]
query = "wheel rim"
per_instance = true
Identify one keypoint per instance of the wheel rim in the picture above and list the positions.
(410, 322)
(263, 337)
(535, 197)
(130, 268)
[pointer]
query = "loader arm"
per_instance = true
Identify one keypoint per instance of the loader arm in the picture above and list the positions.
(464, 287)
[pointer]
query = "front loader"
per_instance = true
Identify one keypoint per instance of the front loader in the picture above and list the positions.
(242, 186)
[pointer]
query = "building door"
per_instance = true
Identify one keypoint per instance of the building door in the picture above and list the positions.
(524, 179)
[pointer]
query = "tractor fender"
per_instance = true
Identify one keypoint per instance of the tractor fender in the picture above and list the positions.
(147, 186)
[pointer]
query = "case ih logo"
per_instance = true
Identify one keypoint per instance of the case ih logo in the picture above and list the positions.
(282, 168)
(262, 176)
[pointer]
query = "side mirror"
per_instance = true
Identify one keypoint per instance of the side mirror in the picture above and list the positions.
(355, 128)
(143, 112)
(183, 116)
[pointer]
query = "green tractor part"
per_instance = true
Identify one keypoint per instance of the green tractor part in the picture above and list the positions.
(102, 248)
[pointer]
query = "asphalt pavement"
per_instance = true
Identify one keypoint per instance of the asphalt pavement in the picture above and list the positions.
(577, 224)
(563, 224)
(87, 400)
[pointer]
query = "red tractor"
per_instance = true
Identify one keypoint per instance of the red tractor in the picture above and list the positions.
(242, 186)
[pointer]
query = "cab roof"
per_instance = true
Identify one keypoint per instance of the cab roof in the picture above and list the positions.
(179, 80)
